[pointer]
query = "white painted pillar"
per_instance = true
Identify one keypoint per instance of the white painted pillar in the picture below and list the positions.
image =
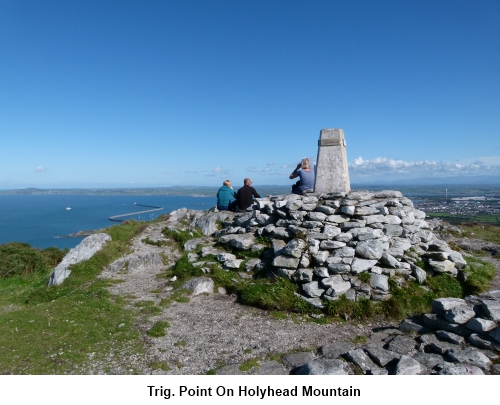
(332, 173)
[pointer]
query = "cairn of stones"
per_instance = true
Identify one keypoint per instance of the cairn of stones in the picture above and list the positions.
(337, 244)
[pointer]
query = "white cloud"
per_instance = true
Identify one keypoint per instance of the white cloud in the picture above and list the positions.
(222, 171)
(41, 169)
(270, 164)
(396, 168)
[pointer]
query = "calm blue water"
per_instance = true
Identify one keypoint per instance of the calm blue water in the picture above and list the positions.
(41, 219)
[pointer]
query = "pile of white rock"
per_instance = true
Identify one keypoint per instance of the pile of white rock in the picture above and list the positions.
(338, 244)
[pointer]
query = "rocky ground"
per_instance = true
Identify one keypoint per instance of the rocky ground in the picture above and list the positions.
(214, 332)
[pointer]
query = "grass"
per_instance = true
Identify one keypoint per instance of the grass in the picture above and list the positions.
(412, 299)
(479, 276)
(58, 329)
(345, 309)
(276, 295)
(183, 270)
(278, 315)
(159, 365)
(359, 339)
(181, 236)
(176, 296)
(488, 233)
(249, 364)
(20, 259)
(365, 277)
(482, 218)
(159, 329)
(242, 254)
(158, 243)
(148, 308)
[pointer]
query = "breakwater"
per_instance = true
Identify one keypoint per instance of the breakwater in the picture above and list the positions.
(153, 208)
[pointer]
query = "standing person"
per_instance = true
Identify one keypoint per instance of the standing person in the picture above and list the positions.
(224, 196)
(245, 194)
(307, 177)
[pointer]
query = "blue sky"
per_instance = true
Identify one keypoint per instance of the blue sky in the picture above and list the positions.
(162, 93)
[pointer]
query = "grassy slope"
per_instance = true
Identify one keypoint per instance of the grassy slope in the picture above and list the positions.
(56, 330)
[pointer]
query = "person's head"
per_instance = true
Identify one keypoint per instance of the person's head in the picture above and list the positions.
(227, 183)
(305, 164)
(247, 182)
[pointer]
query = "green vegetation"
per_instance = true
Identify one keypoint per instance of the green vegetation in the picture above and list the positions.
(158, 243)
(242, 254)
(277, 295)
(181, 236)
(159, 329)
(279, 315)
(59, 329)
(488, 233)
(263, 240)
(365, 277)
(359, 339)
(249, 364)
(177, 296)
(19, 259)
(479, 276)
(148, 308)
(346, 310)
(159, 365)
(183, 270)
(455, 219)
(412, 299)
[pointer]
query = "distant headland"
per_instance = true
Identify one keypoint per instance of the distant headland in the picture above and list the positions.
(207, 191)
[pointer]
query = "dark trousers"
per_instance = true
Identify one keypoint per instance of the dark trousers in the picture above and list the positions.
(296, 188)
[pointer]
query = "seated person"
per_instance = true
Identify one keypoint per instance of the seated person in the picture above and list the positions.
(245, 194)
(307, 177)
(224, 196)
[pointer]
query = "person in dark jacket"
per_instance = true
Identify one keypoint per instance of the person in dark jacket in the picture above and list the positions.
(224, 196)
(245, 194)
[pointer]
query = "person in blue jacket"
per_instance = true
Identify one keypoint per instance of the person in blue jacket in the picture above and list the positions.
(224, 196)
(307, 177)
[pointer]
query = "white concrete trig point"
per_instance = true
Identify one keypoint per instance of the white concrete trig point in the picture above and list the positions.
(332, 173)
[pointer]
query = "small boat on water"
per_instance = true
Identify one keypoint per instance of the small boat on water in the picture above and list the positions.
(68, 208)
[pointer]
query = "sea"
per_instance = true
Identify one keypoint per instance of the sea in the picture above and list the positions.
(46, 220)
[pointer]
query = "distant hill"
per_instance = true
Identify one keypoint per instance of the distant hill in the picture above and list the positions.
(263, 190)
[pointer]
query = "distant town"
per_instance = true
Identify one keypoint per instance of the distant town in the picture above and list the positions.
(461, 209)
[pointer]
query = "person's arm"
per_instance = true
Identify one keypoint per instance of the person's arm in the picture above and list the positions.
(254, 193)
(295, 172)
